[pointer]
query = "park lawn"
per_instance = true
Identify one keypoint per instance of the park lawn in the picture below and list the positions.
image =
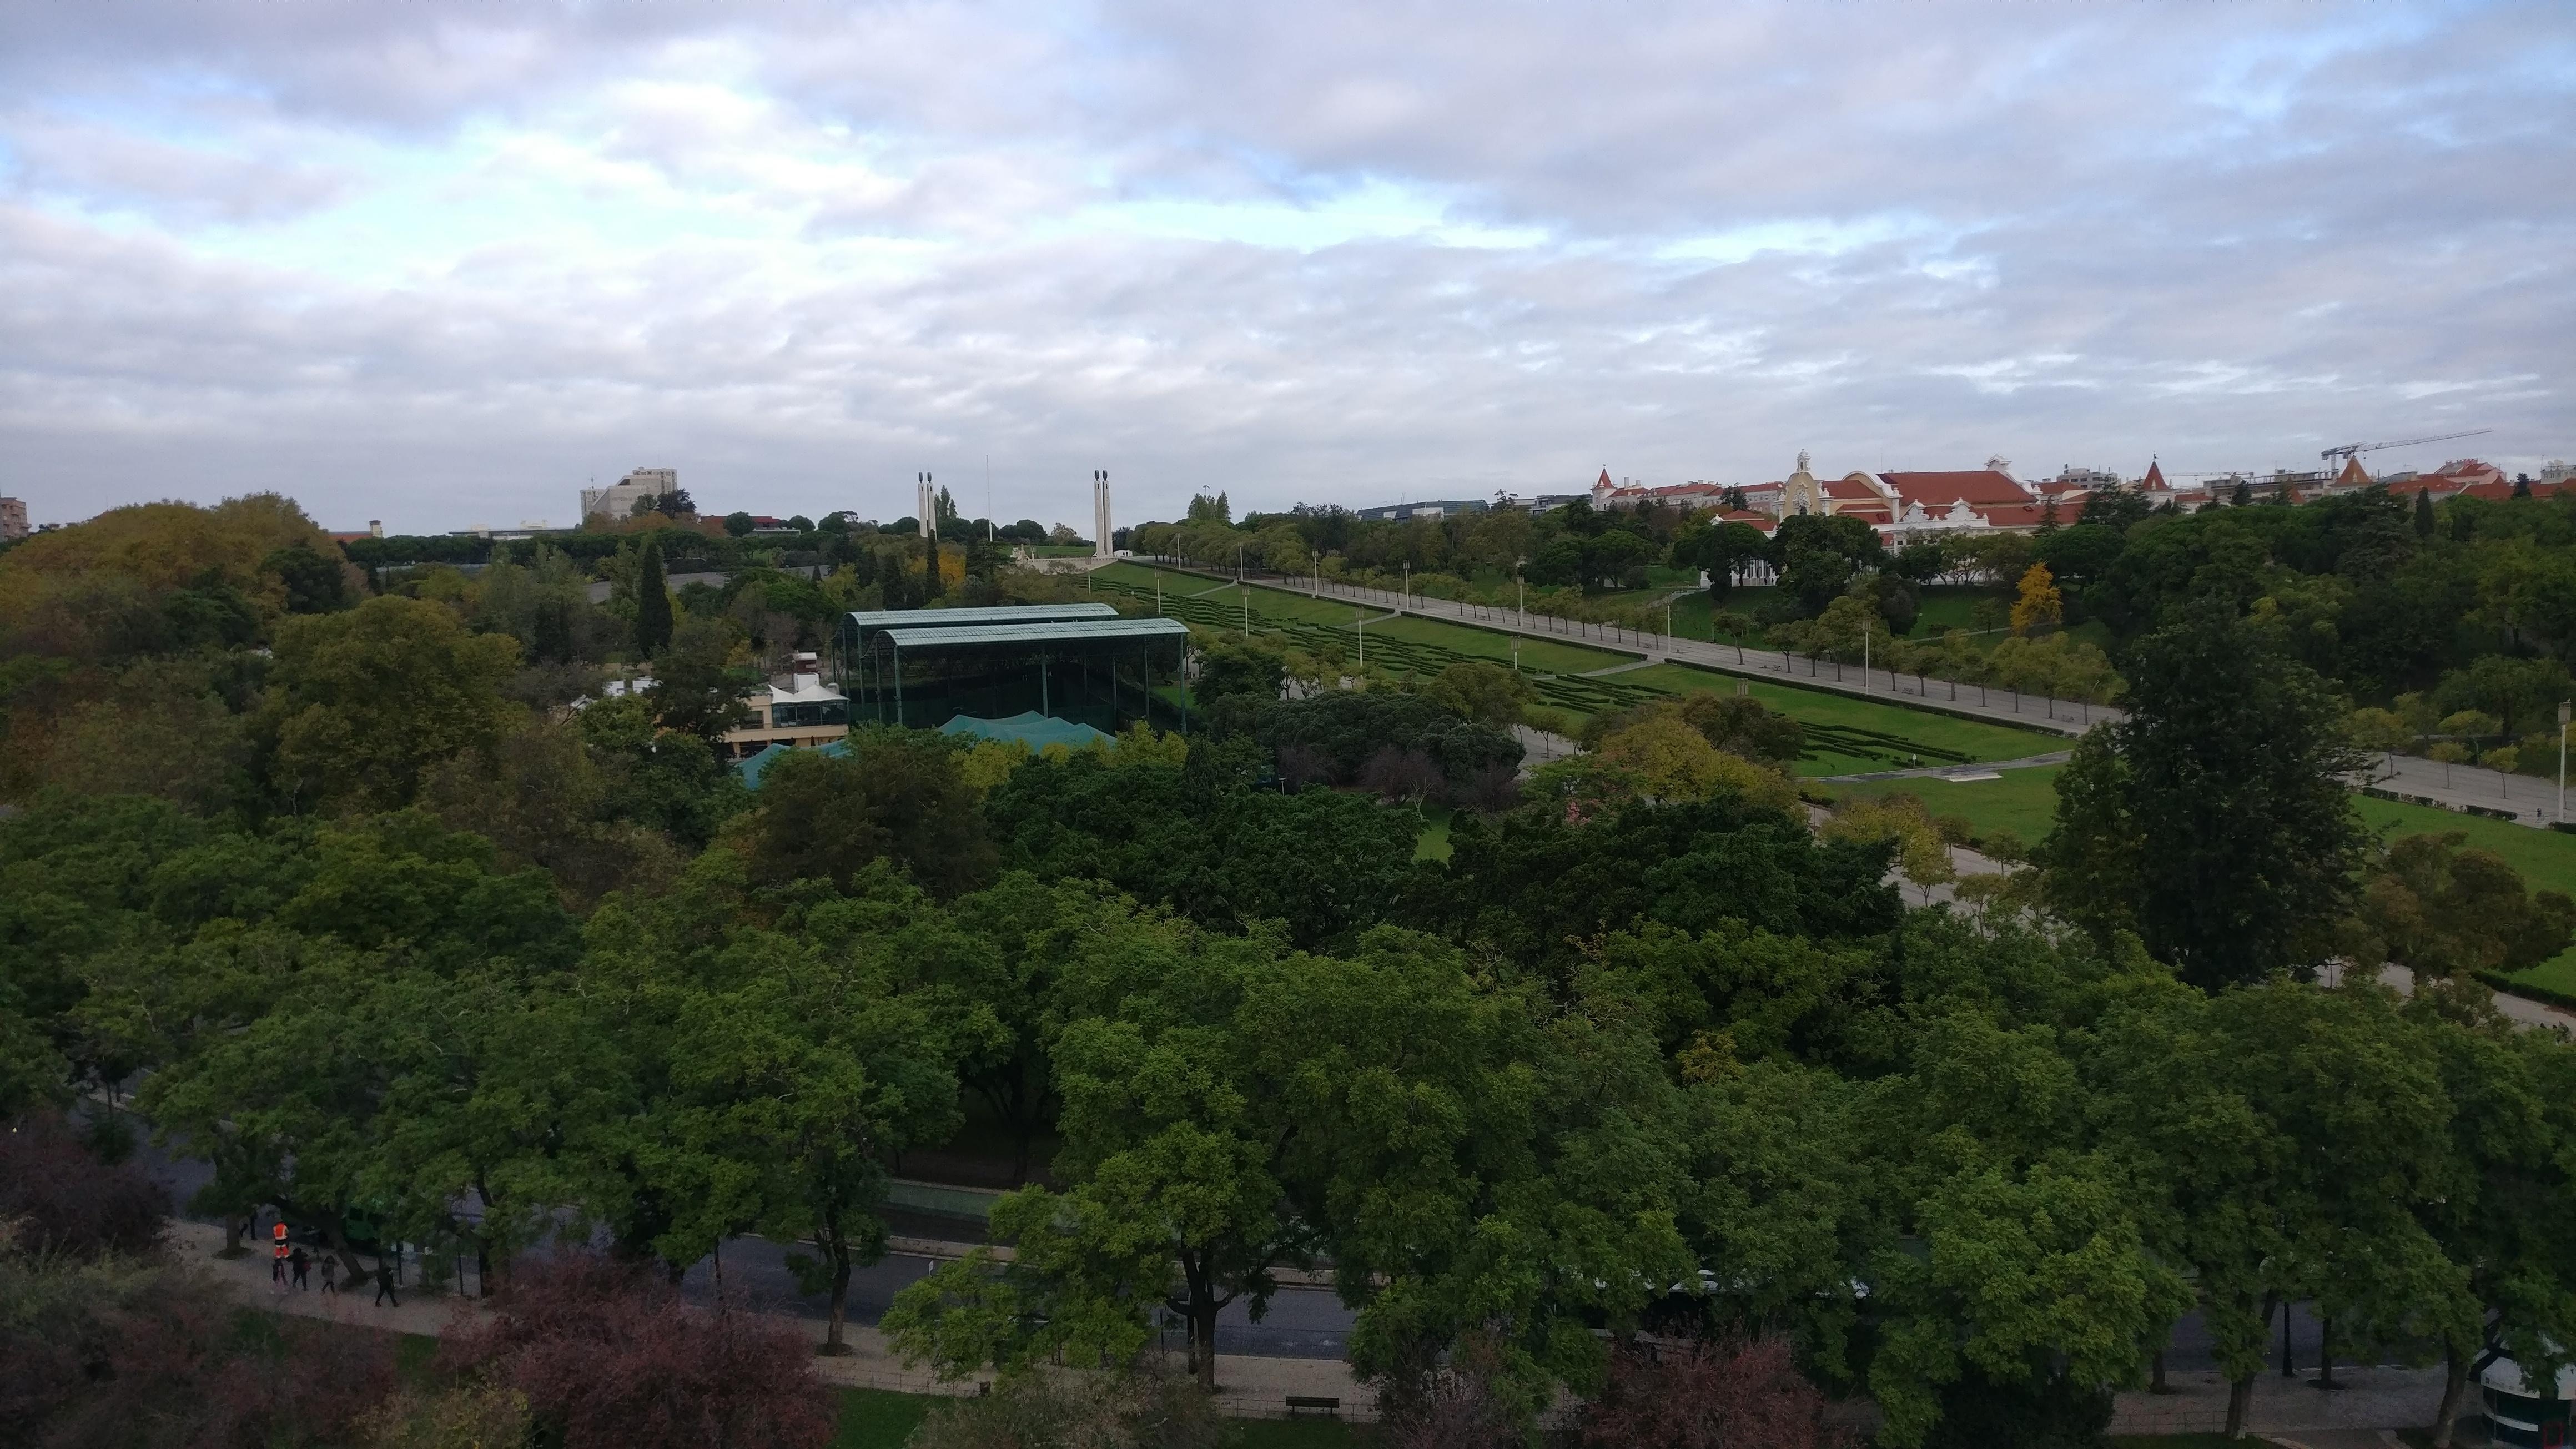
(1433, 843)
(879, 1418)
(1834, 713)
(2023, 801)
(2546, 858)
(1542, 656)
(1267, 603)
(1270, 602)
(1303, 1432)
(884, 1419)
(1947, 606)
(1691, 615)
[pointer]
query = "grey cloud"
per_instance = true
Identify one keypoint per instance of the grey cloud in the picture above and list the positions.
(2226, 234)
(104, 166)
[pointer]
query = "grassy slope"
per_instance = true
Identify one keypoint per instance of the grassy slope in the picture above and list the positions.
(1433, 843)
(1544, 655)
(2025, 802)
(1976, 740)
(2546, 858)
(1279, 605)
(879, 1418)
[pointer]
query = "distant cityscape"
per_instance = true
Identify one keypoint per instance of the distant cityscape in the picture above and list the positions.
(1901, 504)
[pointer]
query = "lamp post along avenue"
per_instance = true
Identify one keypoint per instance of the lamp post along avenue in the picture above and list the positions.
(2565, 709)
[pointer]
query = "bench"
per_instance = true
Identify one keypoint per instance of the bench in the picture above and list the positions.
(1300, 1403)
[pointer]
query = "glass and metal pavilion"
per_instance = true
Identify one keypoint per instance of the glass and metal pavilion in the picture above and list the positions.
(1101, 672)
(859, 628)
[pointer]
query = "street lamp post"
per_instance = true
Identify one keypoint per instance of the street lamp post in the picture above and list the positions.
(2565, 709)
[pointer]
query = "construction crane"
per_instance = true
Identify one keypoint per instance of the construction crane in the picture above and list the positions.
(2348, 449)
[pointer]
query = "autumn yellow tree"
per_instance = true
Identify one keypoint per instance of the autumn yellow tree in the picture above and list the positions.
(2040, 603)
(1676, 762)
(1922, 852)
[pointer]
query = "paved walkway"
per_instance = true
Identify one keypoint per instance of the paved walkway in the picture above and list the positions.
(1247, 1386)
(2532, 801)
(2289, 1411)
(1250, 1386)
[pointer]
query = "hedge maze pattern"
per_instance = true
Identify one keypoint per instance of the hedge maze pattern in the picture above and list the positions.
(1588, 695)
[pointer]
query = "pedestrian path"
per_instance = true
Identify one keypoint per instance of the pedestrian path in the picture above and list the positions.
(1248, 1386)
(2522, 799)
(1258, 1386)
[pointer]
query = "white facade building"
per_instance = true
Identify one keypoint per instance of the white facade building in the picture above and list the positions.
(617, 500)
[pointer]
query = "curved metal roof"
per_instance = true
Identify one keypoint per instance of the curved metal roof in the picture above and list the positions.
(1073, 631)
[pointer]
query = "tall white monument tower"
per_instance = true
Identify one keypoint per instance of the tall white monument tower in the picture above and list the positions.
(1100, 514)
(928, 505)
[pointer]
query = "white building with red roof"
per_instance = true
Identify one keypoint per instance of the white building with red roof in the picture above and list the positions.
(2470, 476)
(1606, 494)
(1904, 505)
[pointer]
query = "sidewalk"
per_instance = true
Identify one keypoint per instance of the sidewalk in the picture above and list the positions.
(2369, 1400)
(2530, 800)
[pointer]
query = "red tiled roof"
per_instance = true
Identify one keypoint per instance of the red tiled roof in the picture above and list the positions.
(1671, 490)
(1940, 490)
(2498, 491)
(2468, 470)
(1848, 488)
(2014, 515)
(1866, 515)
(1604, 481)
(2155, 476)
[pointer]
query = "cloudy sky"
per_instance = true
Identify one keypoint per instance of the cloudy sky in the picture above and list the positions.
(440, 262)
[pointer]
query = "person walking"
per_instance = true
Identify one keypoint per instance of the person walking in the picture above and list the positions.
(297, 1263)
(385, 1285)
(277, 1254)
(331, 1273)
